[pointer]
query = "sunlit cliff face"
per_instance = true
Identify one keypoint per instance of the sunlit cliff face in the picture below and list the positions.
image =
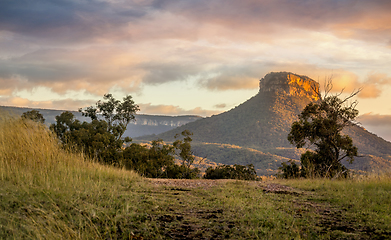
(290, 84)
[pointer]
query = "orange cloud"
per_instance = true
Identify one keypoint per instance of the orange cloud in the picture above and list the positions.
(20, 102)
(373, 85)
(64, 104)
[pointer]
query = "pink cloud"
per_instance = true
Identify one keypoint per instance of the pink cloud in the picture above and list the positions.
(174, 110)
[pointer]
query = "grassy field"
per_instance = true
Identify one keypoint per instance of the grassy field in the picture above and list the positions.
(48, 193)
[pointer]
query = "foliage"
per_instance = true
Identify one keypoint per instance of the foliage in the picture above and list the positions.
(101, 139)
(94, 139)
(176, 171)
(156, 161)
(184, 147)
(320, 125)
(33, 115)
(185, 153)
(231, 172)
(291, 170)
(149, 162)
(117, 114)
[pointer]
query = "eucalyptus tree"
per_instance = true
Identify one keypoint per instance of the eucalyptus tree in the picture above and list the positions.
(320, 127)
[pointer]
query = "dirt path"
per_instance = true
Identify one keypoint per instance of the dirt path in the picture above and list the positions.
(329, 217)
(208, 183)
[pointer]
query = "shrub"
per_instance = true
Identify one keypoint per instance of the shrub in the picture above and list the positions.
(231, 172)
(290, 170)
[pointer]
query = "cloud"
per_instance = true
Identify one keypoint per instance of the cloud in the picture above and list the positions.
(90, 69)
(174, 110)
(377, 123)
(234, 76)
(368, 20)
(375, 119)
(63, 21)
(100, 45)
(221, 105)
(69, 21)
(159, 73)
(374, 84)
(63, 104)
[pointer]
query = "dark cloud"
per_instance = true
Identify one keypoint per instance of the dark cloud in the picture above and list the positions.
(375, 120)
(75, 20)
(159, 73)
(377, 123)
(67, 20)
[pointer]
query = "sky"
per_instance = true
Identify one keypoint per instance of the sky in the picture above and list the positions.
(199, 57)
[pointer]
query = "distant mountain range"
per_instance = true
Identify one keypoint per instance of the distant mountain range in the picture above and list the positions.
(144, 124)
(256, 131)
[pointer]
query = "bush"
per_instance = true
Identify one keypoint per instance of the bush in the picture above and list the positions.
(149, 162)
(181, 171)
(231, 172)
(290, 170)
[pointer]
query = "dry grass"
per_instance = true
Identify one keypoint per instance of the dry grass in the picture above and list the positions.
(48, 192)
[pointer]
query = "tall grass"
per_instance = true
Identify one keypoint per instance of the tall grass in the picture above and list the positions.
(49, 193)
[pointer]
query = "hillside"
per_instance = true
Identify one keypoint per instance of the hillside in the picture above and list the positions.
(47, 192)
(144, 124)
(262, 124)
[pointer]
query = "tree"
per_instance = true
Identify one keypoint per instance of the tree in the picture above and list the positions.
(184, 147)
(290, 170)
(64, 123)
(101, 138)
(33, 115)
(94, 139)
(117, 114)
(319, 126)
(152, 162)
(186, 154)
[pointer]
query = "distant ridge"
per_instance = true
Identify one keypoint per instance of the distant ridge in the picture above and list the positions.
(257, 129)
(144, 125)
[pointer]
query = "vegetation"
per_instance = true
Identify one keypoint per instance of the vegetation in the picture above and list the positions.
(149, 162)
(49, 193)
(288, 171)
(33, 115)
(320, 125)
(186, 155)
(231, 172)
(115, 113)
(101, 139)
